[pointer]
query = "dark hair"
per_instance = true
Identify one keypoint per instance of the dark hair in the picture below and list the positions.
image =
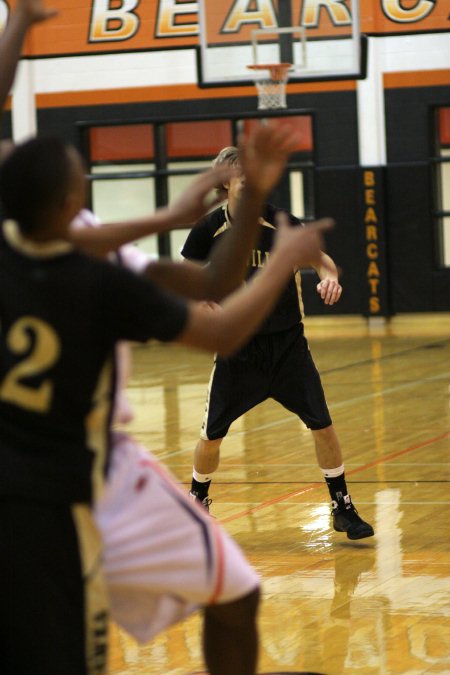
(34, 178)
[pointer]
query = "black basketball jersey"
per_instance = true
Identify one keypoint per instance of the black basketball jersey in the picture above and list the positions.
(61, 315)
(288, 311)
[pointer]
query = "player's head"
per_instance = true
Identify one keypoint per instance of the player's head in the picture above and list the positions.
(229, 156)
(42, 186)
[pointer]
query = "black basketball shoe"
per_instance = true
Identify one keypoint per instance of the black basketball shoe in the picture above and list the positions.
(206, 502)
(346, 519)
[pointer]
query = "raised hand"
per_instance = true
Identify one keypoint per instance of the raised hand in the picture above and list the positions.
(264, 154)
(35, 11)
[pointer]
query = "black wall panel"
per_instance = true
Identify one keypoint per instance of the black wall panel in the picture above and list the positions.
(410, 238)
(335, 126)
(408, 121)
(417, 284)
(338, 196)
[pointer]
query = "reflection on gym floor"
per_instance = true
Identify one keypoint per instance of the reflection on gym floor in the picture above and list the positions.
(378, 606)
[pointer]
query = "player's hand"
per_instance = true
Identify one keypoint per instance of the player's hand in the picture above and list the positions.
(302, 246)
(264, 154)
(329, 290)
(35, 11)
(200, 197)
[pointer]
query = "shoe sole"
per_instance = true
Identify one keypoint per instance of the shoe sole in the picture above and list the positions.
(356, 535)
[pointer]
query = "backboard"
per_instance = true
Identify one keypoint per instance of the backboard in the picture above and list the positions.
(321, 38)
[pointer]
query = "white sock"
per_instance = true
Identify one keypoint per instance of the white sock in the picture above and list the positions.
(333, 473)
(201, 477)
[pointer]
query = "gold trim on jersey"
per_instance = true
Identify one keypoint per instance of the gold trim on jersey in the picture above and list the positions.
(33, 249)
(96, 424)
(264, 223)
(298, 283)
(227, 223)
(96, 612)
(224, 227)
(203, 434)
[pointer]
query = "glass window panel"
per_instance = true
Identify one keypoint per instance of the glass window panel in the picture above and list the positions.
(121, 143)
(301, 124)
(444, 127)
(297, 194)
(445, 181)
(125, 198)
(442, 177)
(177, 184)
(197, 139)
(445, 239)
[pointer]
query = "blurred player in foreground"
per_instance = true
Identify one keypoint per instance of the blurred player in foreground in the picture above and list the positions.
(62, 314)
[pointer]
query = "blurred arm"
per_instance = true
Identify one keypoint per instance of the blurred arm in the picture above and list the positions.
(27, 13)
(244, 310)
(263, 158)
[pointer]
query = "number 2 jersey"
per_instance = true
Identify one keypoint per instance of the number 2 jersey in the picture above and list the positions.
(61, 315)
(288, 311)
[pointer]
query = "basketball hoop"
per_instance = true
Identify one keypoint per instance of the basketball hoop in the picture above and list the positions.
(271, 87)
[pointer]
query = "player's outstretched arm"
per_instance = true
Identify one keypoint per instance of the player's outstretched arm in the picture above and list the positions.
(26, 13)
(263, 157)
(244, 310)
(195, 201)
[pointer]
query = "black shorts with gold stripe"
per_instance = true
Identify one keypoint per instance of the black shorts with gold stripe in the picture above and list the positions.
(277, 365)
(53, 609)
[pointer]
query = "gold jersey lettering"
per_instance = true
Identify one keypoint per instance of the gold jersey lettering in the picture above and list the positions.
(167, 24)
(261, 12)
(337, 10)
(395, 11)
(112, 25)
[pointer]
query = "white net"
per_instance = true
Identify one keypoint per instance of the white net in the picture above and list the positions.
(271, 87)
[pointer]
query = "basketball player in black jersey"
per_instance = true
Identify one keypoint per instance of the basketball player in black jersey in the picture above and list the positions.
(276, 363)
(61, 315)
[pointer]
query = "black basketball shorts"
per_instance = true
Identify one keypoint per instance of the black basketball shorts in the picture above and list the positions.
(53, 610)
(278, 366)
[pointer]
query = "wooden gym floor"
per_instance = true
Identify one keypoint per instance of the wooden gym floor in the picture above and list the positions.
(380, 606)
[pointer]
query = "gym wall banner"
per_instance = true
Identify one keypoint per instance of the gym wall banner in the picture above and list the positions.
(374, 265)
(91, 26)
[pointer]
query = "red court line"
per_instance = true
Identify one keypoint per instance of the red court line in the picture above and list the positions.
(313, 486)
